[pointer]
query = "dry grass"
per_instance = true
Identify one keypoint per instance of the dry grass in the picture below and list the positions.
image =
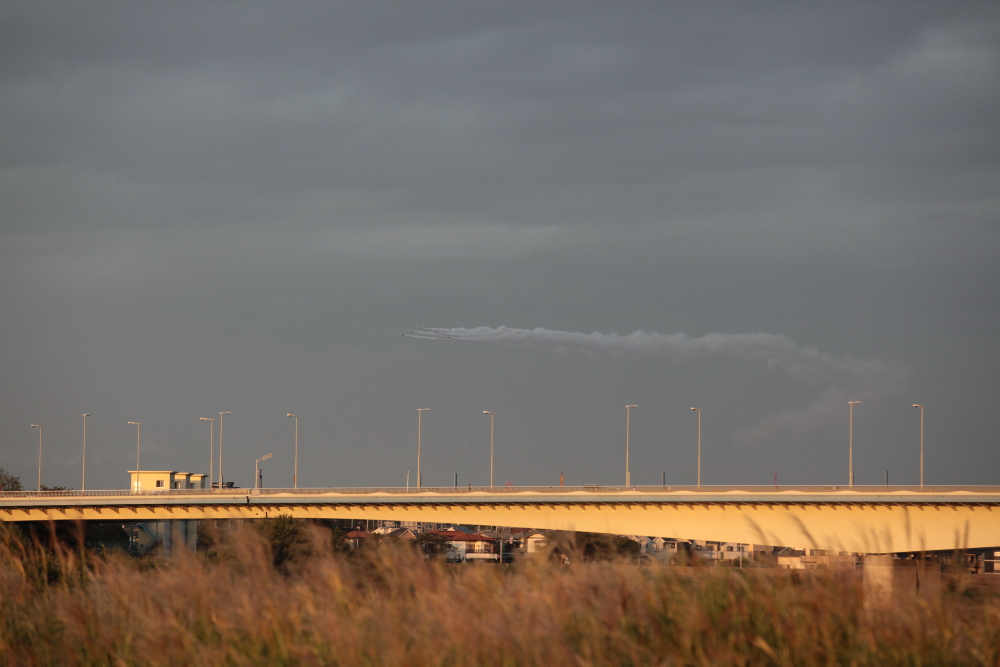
(390, 607)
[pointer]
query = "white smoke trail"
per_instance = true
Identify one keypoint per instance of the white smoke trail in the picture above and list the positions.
(844, 378)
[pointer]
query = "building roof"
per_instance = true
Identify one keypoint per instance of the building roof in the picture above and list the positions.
(459, 536)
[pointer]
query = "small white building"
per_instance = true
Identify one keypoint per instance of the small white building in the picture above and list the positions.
(534, 543)
(162, 480)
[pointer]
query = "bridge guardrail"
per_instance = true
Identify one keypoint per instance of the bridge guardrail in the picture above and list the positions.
(504, 490)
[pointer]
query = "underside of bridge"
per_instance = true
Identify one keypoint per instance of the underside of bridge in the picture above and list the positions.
(852, 526)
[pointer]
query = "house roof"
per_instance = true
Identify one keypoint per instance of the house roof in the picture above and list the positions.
(459, 536)
(403, 533)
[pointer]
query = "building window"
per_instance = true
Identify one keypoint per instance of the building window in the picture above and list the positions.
(159, 483)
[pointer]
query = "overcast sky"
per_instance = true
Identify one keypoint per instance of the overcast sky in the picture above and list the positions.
(239, 206)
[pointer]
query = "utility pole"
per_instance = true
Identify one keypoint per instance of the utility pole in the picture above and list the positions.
(487, 412)
(628, 427)
(221, 478)
(420, 414)
(39, 427)
(850, 443)
(699, 447)
(295, 475)
(921, 445)
(83, 480)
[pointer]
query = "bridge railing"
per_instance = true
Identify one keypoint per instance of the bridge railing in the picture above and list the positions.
(504, 490)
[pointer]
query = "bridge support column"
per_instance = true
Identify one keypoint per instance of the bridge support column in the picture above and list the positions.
(166, 530)
(889, 580)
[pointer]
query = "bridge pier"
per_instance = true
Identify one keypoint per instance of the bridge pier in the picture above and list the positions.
(889, 580)
(172, 535)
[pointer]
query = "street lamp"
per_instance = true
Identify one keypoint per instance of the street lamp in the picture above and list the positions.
(39, 427)
(256, 469)
(221, 479)
(420, 414)
(487, 412)
(295, 475)
(628, 424)
(921, 445)
(138, 443)
(83, 480)
(850, 443)
(211, 448)
(699, 446)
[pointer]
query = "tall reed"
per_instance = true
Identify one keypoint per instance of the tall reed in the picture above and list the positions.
(390, 606)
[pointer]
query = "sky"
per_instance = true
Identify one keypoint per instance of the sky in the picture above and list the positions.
(241, 206)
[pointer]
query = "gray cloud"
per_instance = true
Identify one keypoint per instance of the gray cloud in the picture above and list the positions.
(843, 379)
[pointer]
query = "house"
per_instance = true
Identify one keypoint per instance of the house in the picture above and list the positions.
(735, 551)
(533, 543)
(397, 533)
(646, 545)
(991, 562)
(666, 549)
(462, 547)
(356, 538)
(791, 558)
(508, 543)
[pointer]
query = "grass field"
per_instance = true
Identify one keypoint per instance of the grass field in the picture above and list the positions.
(233, 605)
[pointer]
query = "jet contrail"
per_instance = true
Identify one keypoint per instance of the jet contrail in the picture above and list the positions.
(843, 378)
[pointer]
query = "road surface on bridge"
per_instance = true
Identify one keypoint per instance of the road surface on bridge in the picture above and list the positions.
(865, 519)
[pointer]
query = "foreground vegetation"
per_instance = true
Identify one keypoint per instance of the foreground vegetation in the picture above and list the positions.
(273, 596)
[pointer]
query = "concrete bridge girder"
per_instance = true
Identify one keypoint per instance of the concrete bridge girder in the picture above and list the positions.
(851, 525)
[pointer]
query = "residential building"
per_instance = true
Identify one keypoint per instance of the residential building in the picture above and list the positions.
(791, 558)
(991, 562)
(461, 547)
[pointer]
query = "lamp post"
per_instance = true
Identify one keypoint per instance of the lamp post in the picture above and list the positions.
(39, 427)
(256, 469)
(699, 446)
(295, 475)
(211, 448)
(138, 444)
(221, 479)
(921, 445)
(487, 412)
(420, 414)
(850, 443)
(83, 480)
(628, 425)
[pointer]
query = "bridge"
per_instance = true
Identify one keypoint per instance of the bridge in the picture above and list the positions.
(861, 519)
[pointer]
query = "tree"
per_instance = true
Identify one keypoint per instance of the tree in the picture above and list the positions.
(432, 544)
(288, 538)
(601, 546)
(9, 481)
(104, 536)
